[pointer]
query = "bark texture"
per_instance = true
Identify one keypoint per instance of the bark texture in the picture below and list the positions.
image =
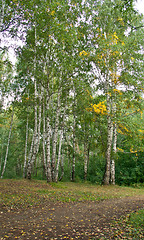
(7, 149)
(25, 157)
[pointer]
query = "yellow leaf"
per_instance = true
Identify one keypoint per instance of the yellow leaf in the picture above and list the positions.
(52, 13)
(115, 36)
(83, 53)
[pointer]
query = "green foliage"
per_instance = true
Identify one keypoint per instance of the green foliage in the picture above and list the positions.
(60, 52)
(129, 169)
(96, 169)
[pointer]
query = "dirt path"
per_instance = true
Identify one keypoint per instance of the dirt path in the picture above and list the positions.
(82, 220)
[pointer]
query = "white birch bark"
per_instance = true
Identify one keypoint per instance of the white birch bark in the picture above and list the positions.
(62, 166)
(113, 160)
(44, 140)
(48, 157)
(55, 136)
(25, 156)
(74, 140)
(59, 155)
(106, 179)
(85, 157)
(37, 136)
(7, 149)
(112, 175)
(60, 145)
(32, 154)
(114, 144)
(73, 159)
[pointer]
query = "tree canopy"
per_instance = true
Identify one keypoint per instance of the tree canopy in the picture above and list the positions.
(76, 91)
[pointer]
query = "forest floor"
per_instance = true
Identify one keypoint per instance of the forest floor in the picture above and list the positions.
(37, 210)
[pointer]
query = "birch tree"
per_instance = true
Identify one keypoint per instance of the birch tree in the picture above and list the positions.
(7, 149)
(110, 51)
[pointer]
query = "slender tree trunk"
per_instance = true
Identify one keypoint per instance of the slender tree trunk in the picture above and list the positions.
(112, 176)
(60, 145)
(85, 155)
(48, 157)
(44, 140)
(59, 156)
(62, 166)
(74, 147)
(114, 144)
(113, 159)
(36, 137)
(85, 160)
(25, 158)
(108, 152)
(1, 160)
(32, 154)
(7, 149)
(55, 136)
(106, 179)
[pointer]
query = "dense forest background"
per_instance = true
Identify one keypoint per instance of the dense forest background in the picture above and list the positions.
(72, 104)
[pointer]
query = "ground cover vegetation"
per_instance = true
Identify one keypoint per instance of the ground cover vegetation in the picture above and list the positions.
(75, 94)
(39, 210)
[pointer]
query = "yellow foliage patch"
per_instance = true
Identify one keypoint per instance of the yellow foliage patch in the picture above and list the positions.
(119, 149)
(117, 91)
(123, 128)
(84, 53)
(140, 130)
(53, 13)
(132, 151)
(99, 108)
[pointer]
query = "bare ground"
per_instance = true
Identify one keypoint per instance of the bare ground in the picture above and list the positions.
(74, 220)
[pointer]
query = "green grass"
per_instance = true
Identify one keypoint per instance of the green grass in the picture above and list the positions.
(129, 227)
(24, 193)
(137, 219)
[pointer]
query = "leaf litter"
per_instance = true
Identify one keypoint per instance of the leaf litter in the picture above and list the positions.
(37, 210)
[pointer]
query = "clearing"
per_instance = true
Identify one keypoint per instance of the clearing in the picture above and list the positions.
(37, 210)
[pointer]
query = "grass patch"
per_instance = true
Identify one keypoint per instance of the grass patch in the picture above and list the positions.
(130, 227)
(24, 193)
(137, 219)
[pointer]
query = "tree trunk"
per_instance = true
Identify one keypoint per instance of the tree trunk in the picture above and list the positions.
(54, 144)
(62, 167)
(74, 147)
(48, 157)
(33, 151)
(114, 153)
(60, 145)
(25, 158)
(112, 175)
(85, 157)
(106, 179)
(44, 140)
(32, 154)
(59, 156)
(7, 149)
